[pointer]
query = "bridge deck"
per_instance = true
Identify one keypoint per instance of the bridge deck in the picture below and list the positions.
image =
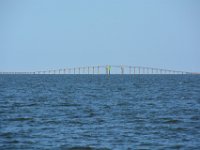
(107, 69)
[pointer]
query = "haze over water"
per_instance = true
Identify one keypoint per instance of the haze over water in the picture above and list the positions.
(99, 112)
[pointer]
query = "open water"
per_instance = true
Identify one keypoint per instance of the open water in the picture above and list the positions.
(121, 112)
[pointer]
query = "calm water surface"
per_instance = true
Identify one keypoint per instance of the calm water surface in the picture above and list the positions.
(99, 112)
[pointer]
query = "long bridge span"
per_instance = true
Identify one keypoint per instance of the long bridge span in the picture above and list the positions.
(105, 69)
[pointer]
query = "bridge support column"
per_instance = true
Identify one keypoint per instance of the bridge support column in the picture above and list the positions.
(109, 69)
(138, 70)
(98, 70)
(122, 69)
(106, 67)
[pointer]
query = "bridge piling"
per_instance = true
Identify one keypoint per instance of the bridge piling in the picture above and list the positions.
(88, 70)
(98, 70)
(139, 70)
(134, 70)
(129, 69)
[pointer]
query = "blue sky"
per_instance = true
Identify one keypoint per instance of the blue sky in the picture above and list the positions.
(47, 34)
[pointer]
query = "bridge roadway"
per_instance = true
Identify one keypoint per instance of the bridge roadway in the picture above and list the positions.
(106, 69)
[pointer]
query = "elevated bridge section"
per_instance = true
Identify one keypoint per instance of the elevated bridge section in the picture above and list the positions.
(105, 69)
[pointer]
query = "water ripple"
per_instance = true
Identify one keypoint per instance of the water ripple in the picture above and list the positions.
(98, 112)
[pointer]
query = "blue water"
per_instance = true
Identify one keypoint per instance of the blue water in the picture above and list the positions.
(99, 112)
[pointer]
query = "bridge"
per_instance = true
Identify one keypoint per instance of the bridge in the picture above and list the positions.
(105, 69)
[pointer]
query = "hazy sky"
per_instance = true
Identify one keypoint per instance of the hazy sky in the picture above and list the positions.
(47, 34)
